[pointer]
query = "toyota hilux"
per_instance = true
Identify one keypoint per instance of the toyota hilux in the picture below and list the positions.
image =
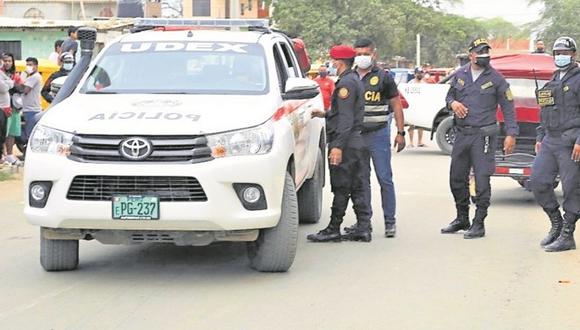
(179, 133)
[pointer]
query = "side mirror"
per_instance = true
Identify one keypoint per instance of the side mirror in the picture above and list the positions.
(300, 89)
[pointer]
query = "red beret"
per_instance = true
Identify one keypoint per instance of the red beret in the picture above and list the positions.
(342, 52)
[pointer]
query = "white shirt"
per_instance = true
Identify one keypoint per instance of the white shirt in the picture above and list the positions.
(475, 74)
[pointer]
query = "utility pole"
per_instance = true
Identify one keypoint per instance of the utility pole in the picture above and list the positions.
(418, 50)
(234, 8)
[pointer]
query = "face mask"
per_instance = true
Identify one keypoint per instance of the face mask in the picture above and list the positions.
(67, 66)
(323, 74)
(332, 69)
(29, 69)
(562, 61)
(363, 61)
(482, 60)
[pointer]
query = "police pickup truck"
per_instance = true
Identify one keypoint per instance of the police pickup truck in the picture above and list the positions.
(179, 133)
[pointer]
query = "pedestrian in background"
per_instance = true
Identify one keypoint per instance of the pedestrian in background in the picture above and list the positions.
(70, 45)
(67, 63)
(5, 109)
(347, 151)
(326, 85)
(540, 48)
(382, 101)
(419, 79)
(54, 56)
(14, 124)
(558, 148)
(475, 92)
(31, 99)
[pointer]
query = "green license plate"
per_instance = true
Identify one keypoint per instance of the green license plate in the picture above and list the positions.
(135, 207)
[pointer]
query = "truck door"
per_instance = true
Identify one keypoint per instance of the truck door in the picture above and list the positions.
(299, 112)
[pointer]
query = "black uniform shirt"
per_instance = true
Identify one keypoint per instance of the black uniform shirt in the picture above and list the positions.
(345, 118)
(560, 102)
(481, 98)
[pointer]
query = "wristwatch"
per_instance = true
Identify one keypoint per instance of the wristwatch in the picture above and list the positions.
(401, 133)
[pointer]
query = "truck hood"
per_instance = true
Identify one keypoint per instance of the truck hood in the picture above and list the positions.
(159, 114)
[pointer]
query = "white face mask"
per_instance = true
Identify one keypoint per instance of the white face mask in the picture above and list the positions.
(67, 66)
(363, 61)
(29, 69)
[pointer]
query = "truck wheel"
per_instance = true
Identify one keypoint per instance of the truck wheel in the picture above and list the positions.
(446, 135)
(58, 255)
(310, 195)
(275, 249)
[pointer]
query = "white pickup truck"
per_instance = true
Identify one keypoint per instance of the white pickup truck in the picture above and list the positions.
(176, 134)
(427, 110)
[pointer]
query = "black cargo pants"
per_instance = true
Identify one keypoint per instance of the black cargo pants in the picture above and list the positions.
(347, 181)
(472, 149)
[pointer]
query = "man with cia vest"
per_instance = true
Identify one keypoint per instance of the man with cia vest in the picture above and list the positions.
(558, 147)
(347, 151)
(382, 100)
(475, 92)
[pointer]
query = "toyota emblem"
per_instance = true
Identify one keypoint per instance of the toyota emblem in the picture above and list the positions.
(135, 148)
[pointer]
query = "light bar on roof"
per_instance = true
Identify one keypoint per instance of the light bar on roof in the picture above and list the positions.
(154, 22)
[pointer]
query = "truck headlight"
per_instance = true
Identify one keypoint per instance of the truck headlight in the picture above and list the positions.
(253, 141)
(50, 140)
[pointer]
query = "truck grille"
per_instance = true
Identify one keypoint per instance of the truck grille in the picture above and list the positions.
(106, 149)
(168, 188)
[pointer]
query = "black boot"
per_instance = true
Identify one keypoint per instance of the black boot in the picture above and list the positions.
(328, 234)
(566, 239)
(355, 227)
(361, 232)
(460, 223)
(477, 229)
(390, 230)
(556, 220)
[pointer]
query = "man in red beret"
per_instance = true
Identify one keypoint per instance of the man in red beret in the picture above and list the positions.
(347, 151)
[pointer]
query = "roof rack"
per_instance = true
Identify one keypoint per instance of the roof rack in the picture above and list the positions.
(142, 24)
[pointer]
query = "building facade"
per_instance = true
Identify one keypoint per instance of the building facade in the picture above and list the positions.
(58, 9)
(225, 8)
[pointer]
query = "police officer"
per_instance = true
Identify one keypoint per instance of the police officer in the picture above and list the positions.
(381, 102)
(347, 151)
(558, 147)
(476, 90)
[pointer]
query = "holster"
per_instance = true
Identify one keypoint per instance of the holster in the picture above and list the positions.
(490, 130)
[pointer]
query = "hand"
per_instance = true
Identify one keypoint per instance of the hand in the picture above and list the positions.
(400, 142)
(508, 144)
(538, 146)
(459, 109)
(7, 111)
(317, 113)
(335, 157)
(576, 153)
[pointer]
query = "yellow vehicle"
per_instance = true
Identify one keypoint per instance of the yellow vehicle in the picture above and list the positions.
(45, 68)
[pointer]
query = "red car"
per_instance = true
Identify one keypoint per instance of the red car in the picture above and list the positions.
(525, 73)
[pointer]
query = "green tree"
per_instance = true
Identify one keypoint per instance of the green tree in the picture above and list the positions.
(393, 24)
(559, 18)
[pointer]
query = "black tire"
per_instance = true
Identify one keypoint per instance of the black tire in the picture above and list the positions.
(310, 195)
(275, 249)
(59, 255)
(446, 135)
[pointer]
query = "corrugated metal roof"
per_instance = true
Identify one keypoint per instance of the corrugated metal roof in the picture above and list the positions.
(28, 23)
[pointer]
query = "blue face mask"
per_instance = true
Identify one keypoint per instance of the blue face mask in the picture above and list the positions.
(562, 61)
(332, 70)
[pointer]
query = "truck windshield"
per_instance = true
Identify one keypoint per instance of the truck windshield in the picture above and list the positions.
(524, 88)
(179, 68)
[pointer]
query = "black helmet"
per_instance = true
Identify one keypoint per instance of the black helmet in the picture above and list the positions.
(564, 43)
